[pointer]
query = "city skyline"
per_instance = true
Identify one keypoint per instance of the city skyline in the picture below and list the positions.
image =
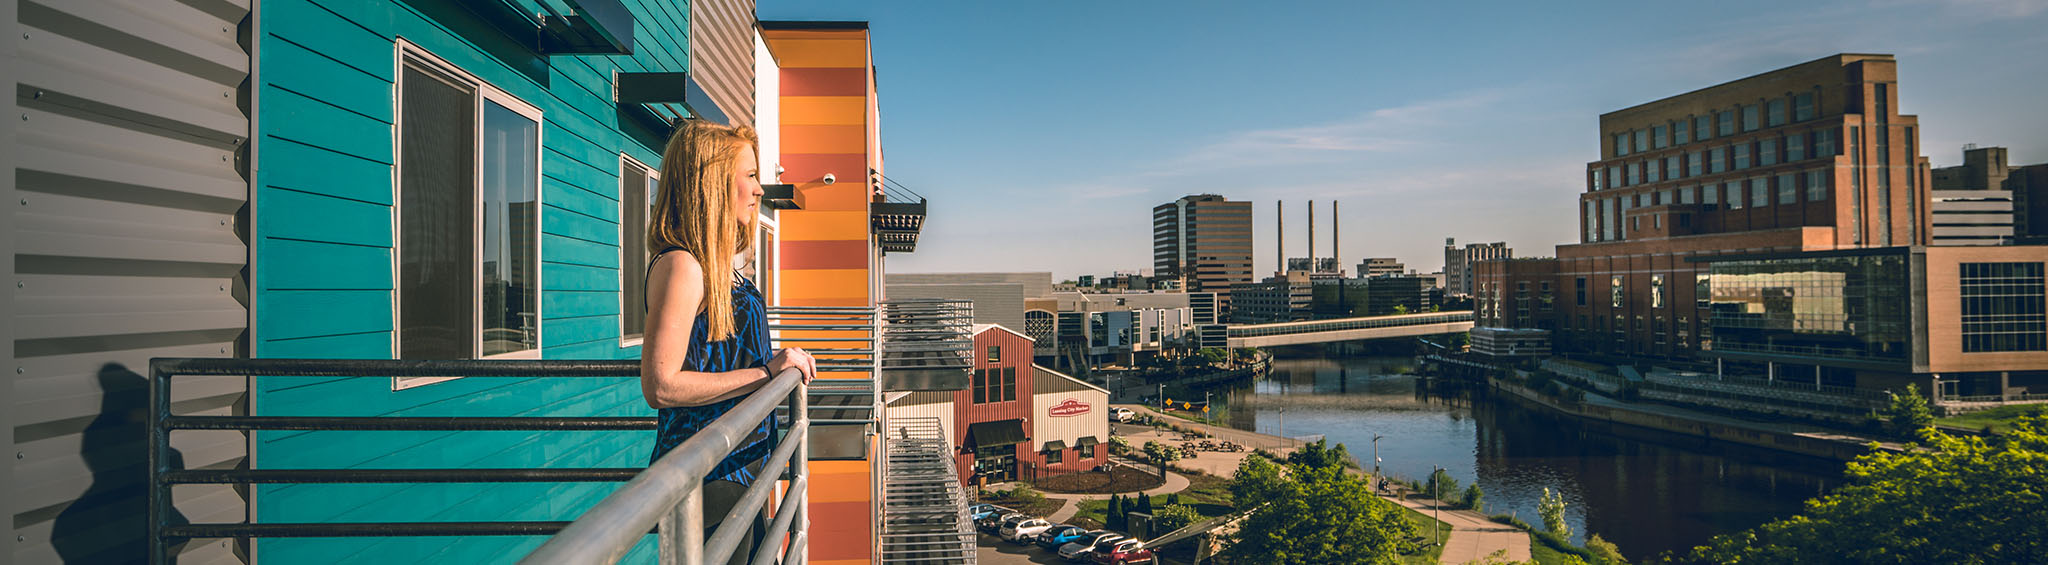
(1485, 134)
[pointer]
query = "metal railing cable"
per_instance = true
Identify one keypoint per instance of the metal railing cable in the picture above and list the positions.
(675, 480)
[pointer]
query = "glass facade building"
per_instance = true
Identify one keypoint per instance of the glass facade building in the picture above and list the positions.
(1849, 307)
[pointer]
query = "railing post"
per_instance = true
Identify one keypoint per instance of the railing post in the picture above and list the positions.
(799, 473)
(159, 442)
(682, 530)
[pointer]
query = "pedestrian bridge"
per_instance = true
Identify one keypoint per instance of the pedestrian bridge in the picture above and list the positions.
(1350, 329)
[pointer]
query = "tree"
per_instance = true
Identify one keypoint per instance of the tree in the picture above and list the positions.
(1966, 500)
(1161, 454)
(1400, 308)
(1144, 503)
(1440, 484)
(1605, 550)
(1257, 481)
(1114, 518)
(1321, 514)
(1172, 498)
(1474, 498)
(1173, 517)
(1909, 413)
(1551, 507)
(1212, 355)
(1316, 456)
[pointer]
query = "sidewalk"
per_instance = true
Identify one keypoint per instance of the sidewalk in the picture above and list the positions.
(1473, 535)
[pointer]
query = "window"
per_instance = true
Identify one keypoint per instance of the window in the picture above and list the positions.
(1009, 384)
(995, 354)
(1650, 171)
(1742, 155)
(1749, 117)
(1635, 174)
(1775, 112)
(994, 385)
(1759, 192)
(1664, 197)
(1579, 291)
(1767, 153)
(1693, 163)
(1824, 143)
(1055, 456)
(1592, 221)
(1671, 167)
(1787, 193)
(1795, 147)
(468, 225)
(1658, 137)
(1656, 291)
(1734, 189)
(1642, 140)
(1704, 126)
(1657, 221)
(1614, 291)
(1727, 123)
(1816, 185)
(1701, 298)
(980, 386)
(1620, 144)
(2002, 307)
(1685, 195)
(1802, 106)
(636, 193)
(1710, 194)
(1680, 135)
(1717, 159)
(1613, 177)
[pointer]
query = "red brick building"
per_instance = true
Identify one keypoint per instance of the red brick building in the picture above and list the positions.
(1015, 420)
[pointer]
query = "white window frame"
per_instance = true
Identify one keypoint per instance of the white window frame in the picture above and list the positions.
(403, 52)
(654, 182)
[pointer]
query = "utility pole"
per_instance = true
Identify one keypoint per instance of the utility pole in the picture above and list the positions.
(1436, 507)
(1376, 455)
(1205, 405)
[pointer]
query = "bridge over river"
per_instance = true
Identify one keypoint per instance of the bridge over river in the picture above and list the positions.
(1349, 329)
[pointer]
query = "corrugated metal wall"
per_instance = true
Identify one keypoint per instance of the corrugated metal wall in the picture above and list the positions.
(722, 54)
(128, 181)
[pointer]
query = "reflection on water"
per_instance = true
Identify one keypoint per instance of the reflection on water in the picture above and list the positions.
(1647, 492)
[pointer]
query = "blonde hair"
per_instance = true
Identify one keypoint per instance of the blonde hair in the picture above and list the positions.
(693, 205)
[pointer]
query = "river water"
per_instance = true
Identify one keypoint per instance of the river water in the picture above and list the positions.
(1645, 491)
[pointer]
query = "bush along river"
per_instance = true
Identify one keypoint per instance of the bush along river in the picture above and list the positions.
(1646, 491)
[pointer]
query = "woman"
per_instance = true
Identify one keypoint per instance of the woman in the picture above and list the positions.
(706, 343)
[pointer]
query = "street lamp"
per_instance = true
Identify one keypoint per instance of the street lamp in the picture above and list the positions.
(1376, 455)
(1436, 506)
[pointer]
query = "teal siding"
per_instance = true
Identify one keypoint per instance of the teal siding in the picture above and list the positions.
(323, 269)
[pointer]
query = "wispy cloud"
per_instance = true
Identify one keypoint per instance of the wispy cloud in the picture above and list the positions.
(1384, 130)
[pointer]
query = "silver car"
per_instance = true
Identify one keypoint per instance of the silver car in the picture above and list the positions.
(1083, 549)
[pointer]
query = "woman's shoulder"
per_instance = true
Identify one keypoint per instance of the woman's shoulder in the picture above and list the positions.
(675, 260)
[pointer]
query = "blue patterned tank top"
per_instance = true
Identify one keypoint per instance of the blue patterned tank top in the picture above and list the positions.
(746, 348)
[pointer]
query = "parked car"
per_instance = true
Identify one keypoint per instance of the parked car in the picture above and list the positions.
(1121, 414)
(1052, 538)
(994, 522)
(1122, 552)
(1082, 549)
(983, 510)
(1021, 532)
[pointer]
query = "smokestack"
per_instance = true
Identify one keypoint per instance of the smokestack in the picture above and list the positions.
(1280, 238)
(1335, 243)
(1311, 236)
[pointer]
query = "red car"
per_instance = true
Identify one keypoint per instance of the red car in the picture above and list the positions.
(1122, 552)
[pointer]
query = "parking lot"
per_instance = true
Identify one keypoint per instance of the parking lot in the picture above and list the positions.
(995, 550)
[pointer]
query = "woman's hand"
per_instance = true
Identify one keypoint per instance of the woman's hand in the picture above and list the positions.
(793, 357)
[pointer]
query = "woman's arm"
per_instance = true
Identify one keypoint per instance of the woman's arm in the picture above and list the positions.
(675, 293)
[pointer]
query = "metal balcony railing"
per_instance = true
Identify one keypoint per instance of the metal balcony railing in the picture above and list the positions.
(664, 494)
(924, 506)
(927, 344)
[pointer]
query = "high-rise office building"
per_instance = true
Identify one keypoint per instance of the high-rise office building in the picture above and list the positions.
(1204, 242)
(1972, 204)
(1458, 262)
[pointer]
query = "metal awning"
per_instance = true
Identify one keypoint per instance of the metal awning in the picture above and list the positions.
(1086, 441)
(997, 433)
(779, 197)
(1054, 445)
(591, 27)
(896, 224)
(666, 96)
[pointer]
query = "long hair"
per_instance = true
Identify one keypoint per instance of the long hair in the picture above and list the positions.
(692, 209)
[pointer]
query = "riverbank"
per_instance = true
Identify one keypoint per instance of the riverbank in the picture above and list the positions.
(1800, 439)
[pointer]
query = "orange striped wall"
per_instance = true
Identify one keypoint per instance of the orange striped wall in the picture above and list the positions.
(827, 252)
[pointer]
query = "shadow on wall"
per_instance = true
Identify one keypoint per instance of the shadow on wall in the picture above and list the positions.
(109, 523)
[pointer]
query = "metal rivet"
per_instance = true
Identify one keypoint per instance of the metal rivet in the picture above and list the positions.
(24, 36)
(20, 455)
(24, 117)
(20, 370)
(24, 201)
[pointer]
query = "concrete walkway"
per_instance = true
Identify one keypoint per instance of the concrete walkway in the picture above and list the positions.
(1473, 535)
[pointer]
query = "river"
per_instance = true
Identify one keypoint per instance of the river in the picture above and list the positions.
(1647, 492)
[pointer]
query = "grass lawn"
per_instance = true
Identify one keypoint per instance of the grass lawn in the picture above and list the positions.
(1433, 552)
(1546, 555)
(1999, 419)
(1038, 506)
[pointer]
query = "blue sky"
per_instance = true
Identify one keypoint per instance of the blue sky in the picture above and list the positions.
(1043, 132)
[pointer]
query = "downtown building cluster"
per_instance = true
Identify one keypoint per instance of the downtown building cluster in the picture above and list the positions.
(1784, 226)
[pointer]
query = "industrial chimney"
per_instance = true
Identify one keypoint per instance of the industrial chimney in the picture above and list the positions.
(1280, 238)
(1335, 243)
(1311, 236)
